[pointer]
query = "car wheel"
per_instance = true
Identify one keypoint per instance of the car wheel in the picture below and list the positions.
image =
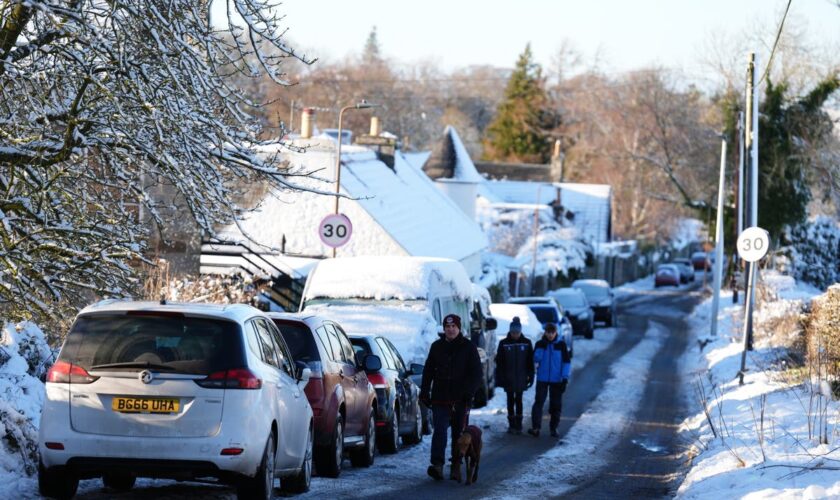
(364, 457)
(328, 460)
(262, 484)
(300, 483)
(389, 440)
(120, 481)
(56, 482)
(416, 434)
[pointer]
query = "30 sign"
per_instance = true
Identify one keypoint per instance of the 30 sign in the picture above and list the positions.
(753, 244)
(335, 230)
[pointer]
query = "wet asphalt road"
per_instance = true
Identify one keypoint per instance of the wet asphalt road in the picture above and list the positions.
(645, 462)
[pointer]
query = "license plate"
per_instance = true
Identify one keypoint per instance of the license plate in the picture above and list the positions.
(145, 405)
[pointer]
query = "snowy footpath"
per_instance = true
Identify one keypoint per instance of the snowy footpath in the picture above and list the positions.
(761, 439)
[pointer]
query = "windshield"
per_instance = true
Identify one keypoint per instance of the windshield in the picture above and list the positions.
(174, 344)
(594, 291)
(571, 301)
(546, 314)
(300, 341)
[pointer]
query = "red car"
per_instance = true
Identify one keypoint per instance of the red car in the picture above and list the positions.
(342, 398)
(667, 274)
(701, 262)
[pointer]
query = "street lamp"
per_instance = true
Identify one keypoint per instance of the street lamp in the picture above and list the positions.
(359, 105)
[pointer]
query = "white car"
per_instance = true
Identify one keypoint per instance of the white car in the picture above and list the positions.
(179, 391)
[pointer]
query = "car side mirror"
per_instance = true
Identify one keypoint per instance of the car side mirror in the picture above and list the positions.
(372, 363)
(491, 323)
(300, 369)
(416, 369)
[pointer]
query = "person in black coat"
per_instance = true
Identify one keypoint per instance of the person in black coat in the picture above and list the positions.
(515, 371)
(451, 376)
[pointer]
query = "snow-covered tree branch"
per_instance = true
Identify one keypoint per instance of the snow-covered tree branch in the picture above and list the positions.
(100, 100)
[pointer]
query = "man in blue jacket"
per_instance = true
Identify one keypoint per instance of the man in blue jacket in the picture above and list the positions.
(551, 357)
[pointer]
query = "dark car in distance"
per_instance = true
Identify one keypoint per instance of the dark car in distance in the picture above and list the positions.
(399, 413)
(343, 400)
(600, 297)
(577, 310)
(666, 275)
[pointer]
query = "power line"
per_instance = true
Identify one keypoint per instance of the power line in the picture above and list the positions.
(775, 43)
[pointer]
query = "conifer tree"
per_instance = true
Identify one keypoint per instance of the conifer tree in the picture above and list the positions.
(372, 55)
(519, 132)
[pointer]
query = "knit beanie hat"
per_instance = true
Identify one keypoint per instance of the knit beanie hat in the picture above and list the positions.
(515, 325)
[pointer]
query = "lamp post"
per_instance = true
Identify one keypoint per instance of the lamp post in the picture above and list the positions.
(359, 105)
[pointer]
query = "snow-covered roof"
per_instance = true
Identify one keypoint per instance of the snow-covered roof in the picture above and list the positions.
(522, 191)
(395, 211)
(386, 278)
(450, 161)
(592, 206)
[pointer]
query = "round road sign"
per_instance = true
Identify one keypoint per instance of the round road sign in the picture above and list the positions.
(335, 230)
(753, 244)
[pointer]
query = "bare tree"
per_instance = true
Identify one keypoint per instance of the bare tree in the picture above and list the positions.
(99, 100)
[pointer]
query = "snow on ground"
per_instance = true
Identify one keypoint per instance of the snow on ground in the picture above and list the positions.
(740, 454)
(595, 431)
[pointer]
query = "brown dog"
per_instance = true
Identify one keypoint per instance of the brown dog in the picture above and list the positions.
(468, 447)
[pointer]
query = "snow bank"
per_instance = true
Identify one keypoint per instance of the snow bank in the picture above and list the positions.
(386, 278)
(757, 440)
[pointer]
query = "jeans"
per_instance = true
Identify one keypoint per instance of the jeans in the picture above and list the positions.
(443, 418)
(514, 408)
(554, 391)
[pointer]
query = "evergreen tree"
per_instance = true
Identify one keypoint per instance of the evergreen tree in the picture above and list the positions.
(372, 55)
(519, 132)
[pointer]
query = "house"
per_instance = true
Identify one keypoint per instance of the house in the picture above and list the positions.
(394, 210)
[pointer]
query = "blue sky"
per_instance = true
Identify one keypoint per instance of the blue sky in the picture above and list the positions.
(627, 33)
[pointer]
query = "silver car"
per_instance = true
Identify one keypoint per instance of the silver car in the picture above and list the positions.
(179, 391)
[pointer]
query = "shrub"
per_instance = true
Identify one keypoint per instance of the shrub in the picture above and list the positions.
(823, 336)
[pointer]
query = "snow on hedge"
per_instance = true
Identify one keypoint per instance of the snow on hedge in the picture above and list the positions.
(812, 251)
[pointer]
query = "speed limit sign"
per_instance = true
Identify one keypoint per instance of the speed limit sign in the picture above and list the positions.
(335, 230)
(753, 244)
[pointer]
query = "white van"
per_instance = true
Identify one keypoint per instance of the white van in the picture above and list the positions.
(402, 298)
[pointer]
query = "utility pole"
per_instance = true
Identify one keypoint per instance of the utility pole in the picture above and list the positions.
(536, 234)
(751, 147)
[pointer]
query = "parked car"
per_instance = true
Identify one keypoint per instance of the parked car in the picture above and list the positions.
(142, 389)
(666, 274)
(701, 261)
(577, 310)
(399, 413)
(343, 399)
(548, 310)
(504, 313)
(686, 269)
(402, 298)
(600, 297)
(483, 335)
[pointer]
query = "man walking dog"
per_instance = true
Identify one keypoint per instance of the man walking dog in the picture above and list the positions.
(553, 362)
(515, 371)
(451, 377)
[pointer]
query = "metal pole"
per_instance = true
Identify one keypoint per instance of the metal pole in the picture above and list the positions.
(338, 164)
(753, 191)
(748, 123)
(747, 323)
(718, 269)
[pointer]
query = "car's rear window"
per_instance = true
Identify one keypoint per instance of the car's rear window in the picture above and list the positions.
(545, 314)
(300, 340)
(570, 300)
(171, 343)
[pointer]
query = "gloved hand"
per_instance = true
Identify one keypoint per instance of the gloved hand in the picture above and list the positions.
(563, 384)
(425, 399)
(530, 382)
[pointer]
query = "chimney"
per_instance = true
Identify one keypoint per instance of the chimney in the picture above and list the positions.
(375, 126)
(306, 120)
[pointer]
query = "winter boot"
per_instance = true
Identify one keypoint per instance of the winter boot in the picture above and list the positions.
(519, 424)
(435, 472)
(534, 432)
(511, 425)
(554, 433)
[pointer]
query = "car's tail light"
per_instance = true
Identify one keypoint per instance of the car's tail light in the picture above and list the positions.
(232, 451)
(236, 378)
(378, 380)
(54, 446)
(63, 372)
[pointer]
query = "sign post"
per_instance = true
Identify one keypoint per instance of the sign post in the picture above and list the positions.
(753, 244)
(335, 230)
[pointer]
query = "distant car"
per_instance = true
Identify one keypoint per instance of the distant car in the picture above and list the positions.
(666, 275)
(600, 297)
(548, 310)
(577, 310)
(398, 396)
(342, 398)
(686, 267)
(686, 273)
(179, 391)
(701, 261)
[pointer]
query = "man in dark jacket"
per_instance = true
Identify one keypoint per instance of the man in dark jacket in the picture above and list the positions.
(451, 377)
(515, 371)
(553, 368)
